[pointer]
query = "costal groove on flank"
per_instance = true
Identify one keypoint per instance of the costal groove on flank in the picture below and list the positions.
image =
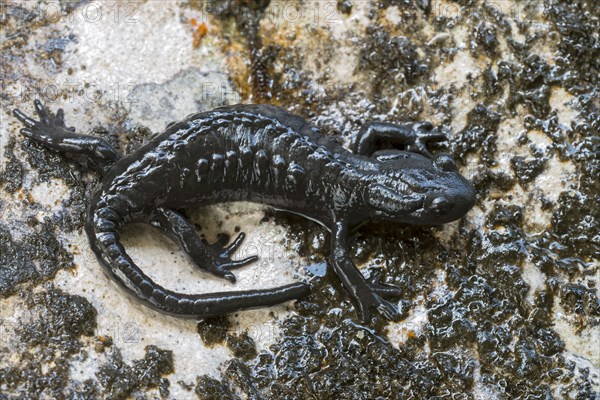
(208, 123)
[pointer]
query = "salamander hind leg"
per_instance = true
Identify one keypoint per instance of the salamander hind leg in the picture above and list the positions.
(51, 132)
(214, 258)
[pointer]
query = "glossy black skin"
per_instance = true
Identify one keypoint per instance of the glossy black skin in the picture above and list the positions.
(263, 154)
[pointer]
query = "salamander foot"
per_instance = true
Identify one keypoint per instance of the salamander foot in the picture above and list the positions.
(383, 289)
(49, 130)
(372, 301)
(221, 256)
(424, 134)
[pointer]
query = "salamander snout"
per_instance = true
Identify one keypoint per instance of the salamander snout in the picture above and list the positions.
(451, 204)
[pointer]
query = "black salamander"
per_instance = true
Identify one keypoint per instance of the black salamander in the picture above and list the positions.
(263, 154)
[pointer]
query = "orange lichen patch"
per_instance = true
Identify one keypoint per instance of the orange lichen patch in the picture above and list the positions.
(102, 342)
(76, 251)
(238, 66)
(25, 197)
(398, 23)
(282, 34)
(301, 43)
(297, 38)
(200, 30)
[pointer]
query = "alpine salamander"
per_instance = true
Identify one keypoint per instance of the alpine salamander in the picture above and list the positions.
(264, 154)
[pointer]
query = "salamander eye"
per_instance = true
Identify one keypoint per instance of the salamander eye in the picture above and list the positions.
(440, 205)
(445, 163)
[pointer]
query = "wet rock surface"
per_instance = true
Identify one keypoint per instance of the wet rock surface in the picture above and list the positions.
(502, 304)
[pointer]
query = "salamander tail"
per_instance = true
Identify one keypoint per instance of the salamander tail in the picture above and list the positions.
(102, 229)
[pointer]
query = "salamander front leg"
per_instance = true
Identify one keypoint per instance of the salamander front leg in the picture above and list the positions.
(214, 258)
(412, 137)
(366, 295)
(51, 131)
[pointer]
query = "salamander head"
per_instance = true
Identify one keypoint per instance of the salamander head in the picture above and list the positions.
(414, 189)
